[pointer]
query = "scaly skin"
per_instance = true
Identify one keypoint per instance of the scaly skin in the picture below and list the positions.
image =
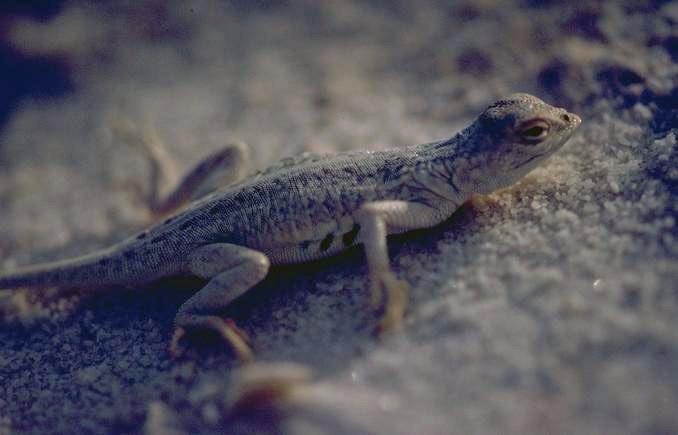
(313, 206)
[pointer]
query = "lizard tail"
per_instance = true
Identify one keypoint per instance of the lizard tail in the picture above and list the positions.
(62, 273)
(103, 268)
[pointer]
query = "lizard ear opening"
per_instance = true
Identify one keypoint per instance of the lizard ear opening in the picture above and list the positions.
(534, 131)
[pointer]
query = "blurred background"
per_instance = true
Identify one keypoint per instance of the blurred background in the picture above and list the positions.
(548, 308)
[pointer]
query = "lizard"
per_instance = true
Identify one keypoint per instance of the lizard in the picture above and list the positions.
(310, 207)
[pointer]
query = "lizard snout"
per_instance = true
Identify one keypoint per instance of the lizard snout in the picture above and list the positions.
(571, 119)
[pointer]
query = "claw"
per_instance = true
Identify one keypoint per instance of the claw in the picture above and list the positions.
(230, 323)
(236, 337)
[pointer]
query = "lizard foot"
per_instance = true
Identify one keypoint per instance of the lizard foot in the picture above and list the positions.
(162, 174)
(266, 388)
(235, 337)
(397, 295)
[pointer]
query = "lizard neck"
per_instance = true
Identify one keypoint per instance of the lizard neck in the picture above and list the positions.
(443, 168)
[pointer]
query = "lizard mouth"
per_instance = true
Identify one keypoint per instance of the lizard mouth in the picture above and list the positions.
(536, 156)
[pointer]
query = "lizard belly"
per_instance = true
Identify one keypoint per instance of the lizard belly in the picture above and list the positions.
(298, 254)
(315, 242)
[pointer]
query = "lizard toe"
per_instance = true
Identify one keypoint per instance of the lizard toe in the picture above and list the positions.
(397, 292)
(174, 350)
(234, 337)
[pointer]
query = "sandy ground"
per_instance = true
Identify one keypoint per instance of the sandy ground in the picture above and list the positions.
(549, 307)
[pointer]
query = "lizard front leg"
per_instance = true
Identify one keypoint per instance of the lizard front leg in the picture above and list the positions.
(232, 270)
(378, 219)
(166, 192)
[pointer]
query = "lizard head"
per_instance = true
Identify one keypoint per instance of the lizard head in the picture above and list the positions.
(513, 136)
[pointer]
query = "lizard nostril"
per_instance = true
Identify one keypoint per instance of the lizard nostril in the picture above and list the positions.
(565, 117)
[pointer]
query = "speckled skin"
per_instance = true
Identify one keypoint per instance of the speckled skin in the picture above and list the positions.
(313, 206)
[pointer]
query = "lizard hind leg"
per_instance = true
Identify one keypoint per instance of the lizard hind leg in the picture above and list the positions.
(232, 270)
(221, 168)
(166, 191)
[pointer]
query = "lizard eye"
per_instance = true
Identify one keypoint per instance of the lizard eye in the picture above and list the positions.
(534, 131)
